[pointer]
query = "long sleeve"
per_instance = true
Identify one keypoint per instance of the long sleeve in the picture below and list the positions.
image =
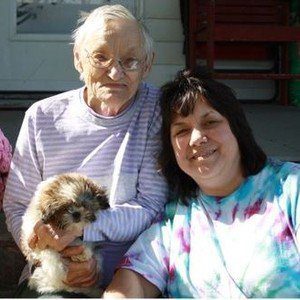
(60, 135)
(24, 176)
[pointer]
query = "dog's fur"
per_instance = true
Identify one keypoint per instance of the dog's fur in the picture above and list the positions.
(68, 201)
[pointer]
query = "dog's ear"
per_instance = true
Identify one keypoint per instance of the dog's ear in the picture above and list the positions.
(47, 214)
(46, 218)
(102, 200)
(49, 210)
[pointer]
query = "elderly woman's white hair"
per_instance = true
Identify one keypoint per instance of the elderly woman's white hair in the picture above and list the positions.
(93, 21)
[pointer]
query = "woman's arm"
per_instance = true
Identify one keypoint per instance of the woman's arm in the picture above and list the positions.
(112, 224)
(144, 268)
(24, 176)
(129, 284)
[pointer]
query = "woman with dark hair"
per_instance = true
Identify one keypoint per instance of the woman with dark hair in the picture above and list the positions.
(180, 97)
(232, 229)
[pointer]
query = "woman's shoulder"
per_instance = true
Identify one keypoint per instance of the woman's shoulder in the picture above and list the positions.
(283, 169)
(149, 94)
(287, 189)
(150, 88)
(283, 178)
(54, 103)
(147, 106)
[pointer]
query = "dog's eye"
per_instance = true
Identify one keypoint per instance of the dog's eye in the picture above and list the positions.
(70, 210)
(76, 215)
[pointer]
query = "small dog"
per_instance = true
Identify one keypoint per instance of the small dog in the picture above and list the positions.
(69, 202)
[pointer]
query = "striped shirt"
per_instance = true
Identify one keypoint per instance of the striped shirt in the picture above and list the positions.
(62, 134)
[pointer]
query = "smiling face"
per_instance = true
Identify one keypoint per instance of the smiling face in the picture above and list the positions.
(206, 149)
(110, 90)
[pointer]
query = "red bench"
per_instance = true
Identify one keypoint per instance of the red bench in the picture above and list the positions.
(242, 29)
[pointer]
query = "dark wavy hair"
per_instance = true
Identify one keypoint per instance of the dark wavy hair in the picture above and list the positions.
(179, 97)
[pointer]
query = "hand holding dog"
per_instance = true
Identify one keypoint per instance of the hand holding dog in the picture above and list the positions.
(45, 235)
(80, 274)
(56, 216)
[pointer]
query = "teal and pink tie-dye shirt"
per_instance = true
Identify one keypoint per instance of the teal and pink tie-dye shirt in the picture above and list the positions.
(240, 246)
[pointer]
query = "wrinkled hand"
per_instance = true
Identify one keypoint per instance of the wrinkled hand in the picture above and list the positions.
(80, 274)
(45, 235)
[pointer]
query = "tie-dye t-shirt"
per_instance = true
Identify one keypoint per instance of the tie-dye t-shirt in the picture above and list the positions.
(243, 245)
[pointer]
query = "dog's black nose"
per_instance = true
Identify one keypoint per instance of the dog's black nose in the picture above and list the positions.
(76, 216)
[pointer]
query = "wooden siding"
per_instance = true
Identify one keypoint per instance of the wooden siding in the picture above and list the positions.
(162, 18)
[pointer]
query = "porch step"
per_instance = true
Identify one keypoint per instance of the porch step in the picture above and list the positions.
(276, 129)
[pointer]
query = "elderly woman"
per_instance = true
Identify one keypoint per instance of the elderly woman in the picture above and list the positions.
(233, 231)
(108, 130)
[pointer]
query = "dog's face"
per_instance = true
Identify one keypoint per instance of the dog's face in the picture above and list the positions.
(71, 200)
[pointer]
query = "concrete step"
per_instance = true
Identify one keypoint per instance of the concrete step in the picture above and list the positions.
(276, 129)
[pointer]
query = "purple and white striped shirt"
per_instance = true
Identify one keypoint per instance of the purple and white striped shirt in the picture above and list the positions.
(62, 134)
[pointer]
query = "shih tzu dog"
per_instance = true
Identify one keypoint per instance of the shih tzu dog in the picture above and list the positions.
(68, 202)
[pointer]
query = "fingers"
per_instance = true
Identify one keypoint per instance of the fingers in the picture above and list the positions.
(37, 237)
(48, 236)
(80, 274)
(44, 235)
(64, 240)
(85, 281)
(32, 240)
(83, 274)
(72, 251)
(80, 269)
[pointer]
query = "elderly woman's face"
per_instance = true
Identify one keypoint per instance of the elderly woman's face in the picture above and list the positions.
(205, 147)
(119, 40)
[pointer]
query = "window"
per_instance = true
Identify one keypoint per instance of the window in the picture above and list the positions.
(58, 17)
